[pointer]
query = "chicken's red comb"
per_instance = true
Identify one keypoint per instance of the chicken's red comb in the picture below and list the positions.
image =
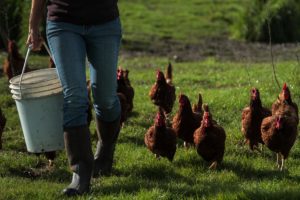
(206, 114)
(157, 115)
(284, 86)
(119, 74)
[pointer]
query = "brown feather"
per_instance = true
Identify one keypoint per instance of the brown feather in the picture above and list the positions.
(160, 139)
(162, 94)
(185, 121)
(210, 138)
(252, 117)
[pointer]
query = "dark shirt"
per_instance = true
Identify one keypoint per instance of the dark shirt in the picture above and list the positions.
(82, 12)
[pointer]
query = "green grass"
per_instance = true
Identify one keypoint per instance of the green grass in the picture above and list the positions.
(137, 174)
(148, 23)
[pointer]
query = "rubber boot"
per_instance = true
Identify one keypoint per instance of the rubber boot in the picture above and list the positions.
(108, 133)
(80, 156)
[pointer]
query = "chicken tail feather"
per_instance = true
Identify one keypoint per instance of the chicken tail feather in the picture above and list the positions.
(169, 73)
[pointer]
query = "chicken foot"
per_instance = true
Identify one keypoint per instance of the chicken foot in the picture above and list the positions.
(50, 163)
(280, 161)
(187, 145)
(157, 156)
(257, 148)
(213, 165)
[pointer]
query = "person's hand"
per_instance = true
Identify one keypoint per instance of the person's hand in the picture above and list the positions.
(35, 39)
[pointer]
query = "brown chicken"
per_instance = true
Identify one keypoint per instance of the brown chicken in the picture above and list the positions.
(50, 156)
(2, 126)
(197, 108)
(185, 121)
(252, 117)
(285, 100)
(125, 89)
(209, 139)
(126, 78)
(162, 94)
(14, 62)
(160, 139)
(279, 133)
(90, 107)
(124, 108)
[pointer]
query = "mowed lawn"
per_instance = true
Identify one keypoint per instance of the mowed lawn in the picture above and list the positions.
(137, 174)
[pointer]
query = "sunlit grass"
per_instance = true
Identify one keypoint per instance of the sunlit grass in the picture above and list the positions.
(137, 174)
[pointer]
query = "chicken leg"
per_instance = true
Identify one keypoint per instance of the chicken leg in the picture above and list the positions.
(255, 147)
(278, 160)
(168, 119)
(213, 165)
(282, 164)
(157, 156)
(186, 145)
(50, 163)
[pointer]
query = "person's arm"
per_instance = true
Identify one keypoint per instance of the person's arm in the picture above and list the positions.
(36, 15)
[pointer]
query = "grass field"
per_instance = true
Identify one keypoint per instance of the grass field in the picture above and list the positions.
(137, 174)
(149, 23)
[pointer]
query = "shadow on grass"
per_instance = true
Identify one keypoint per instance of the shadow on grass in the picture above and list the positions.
(165, 179)
(295, 154)
(280, 194)
(250, 173)
(190, 162)
(133, 114)
(42, 173)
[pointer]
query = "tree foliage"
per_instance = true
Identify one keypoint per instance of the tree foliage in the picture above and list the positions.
(283, 16)
(10, 20)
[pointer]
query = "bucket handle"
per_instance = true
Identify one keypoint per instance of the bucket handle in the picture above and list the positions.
(26, 61)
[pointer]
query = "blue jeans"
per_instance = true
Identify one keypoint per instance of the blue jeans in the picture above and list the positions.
(70, 45)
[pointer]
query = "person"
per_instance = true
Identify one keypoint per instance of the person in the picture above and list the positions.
(76, 30)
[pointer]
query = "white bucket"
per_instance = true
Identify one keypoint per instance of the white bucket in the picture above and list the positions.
(39, 100)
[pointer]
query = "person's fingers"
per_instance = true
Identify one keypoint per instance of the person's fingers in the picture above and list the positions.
(28, 41)
(35, 40)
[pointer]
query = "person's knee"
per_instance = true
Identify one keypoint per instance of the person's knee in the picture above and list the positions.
(107, 109)
(75, 110)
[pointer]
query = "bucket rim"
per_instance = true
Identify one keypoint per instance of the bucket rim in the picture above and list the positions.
(35, 90)
(39, 72)
(34, 80)
(35, 85)
(38, 95)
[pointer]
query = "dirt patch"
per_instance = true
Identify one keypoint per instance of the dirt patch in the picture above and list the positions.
(220, 48)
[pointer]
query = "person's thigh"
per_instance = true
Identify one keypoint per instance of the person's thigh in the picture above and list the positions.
(103, 42)
(69, 52)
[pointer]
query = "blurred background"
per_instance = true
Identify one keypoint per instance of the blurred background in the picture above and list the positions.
(193, 30)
